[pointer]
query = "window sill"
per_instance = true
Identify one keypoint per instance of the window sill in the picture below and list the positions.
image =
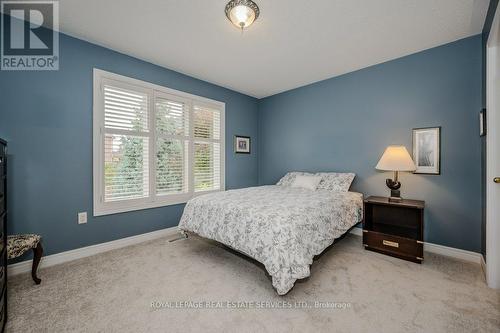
(127, 206)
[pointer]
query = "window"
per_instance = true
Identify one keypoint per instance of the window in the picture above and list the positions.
(153, 146)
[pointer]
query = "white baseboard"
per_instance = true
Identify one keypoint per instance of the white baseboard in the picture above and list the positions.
(357, 231)
(442, 250)
(483, 266)
(453, 252)
(59, 258)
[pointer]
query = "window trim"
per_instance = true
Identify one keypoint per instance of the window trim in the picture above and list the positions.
(153, 201)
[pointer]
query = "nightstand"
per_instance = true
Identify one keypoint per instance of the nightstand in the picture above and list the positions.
(394, 228)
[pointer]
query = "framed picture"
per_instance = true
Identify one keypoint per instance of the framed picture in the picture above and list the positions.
(241, 144)
(482, 122)
(427, 150)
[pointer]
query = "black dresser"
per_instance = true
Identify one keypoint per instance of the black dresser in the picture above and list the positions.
(3, 231)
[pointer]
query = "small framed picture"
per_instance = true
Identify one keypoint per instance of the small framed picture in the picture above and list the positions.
(482, 122)
(427, 150)
(241, 144)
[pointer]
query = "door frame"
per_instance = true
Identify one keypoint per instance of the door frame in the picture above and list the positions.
(492, 147)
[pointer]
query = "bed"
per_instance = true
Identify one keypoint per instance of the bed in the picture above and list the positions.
(281, 226)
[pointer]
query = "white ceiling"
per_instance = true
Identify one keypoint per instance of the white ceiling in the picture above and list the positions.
(293, 43)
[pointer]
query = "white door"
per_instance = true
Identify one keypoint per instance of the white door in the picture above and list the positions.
(493, 156)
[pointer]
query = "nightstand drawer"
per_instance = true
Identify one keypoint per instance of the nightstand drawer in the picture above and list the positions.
(405, 248)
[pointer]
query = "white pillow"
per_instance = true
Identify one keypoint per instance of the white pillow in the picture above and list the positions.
(308, 182)
(288, 179)
(331, 181)
(335, 181)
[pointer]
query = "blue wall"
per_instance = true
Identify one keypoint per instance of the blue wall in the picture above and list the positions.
(46, 117)
(345, 123)
(342, 124)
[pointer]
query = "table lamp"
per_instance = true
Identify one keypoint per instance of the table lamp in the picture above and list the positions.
(395, 158)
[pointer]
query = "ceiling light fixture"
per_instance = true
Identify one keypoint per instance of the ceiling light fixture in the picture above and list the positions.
(242, 13)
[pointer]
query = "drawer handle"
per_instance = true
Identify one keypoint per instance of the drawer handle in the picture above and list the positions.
(389, 243)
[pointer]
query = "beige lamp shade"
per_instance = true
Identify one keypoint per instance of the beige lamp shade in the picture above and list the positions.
(396, 158)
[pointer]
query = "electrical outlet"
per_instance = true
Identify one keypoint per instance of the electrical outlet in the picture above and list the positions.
(82, 217)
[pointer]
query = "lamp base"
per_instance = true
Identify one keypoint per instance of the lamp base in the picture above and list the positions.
(395, 196)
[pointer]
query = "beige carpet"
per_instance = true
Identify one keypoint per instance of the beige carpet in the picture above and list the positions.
(113, 292)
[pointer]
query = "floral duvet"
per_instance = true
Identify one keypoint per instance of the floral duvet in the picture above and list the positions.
(281, 227)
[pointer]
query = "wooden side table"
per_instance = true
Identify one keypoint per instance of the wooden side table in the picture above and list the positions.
(394, 228)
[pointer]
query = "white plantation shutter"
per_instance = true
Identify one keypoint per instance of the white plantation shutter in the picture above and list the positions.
(206, 123)
(126, 156)
(125, 109)
(171, 173)
(206, 166)
(126, 167)
(172, 145)
(172, 116)
(207, 148)
(153, 146)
